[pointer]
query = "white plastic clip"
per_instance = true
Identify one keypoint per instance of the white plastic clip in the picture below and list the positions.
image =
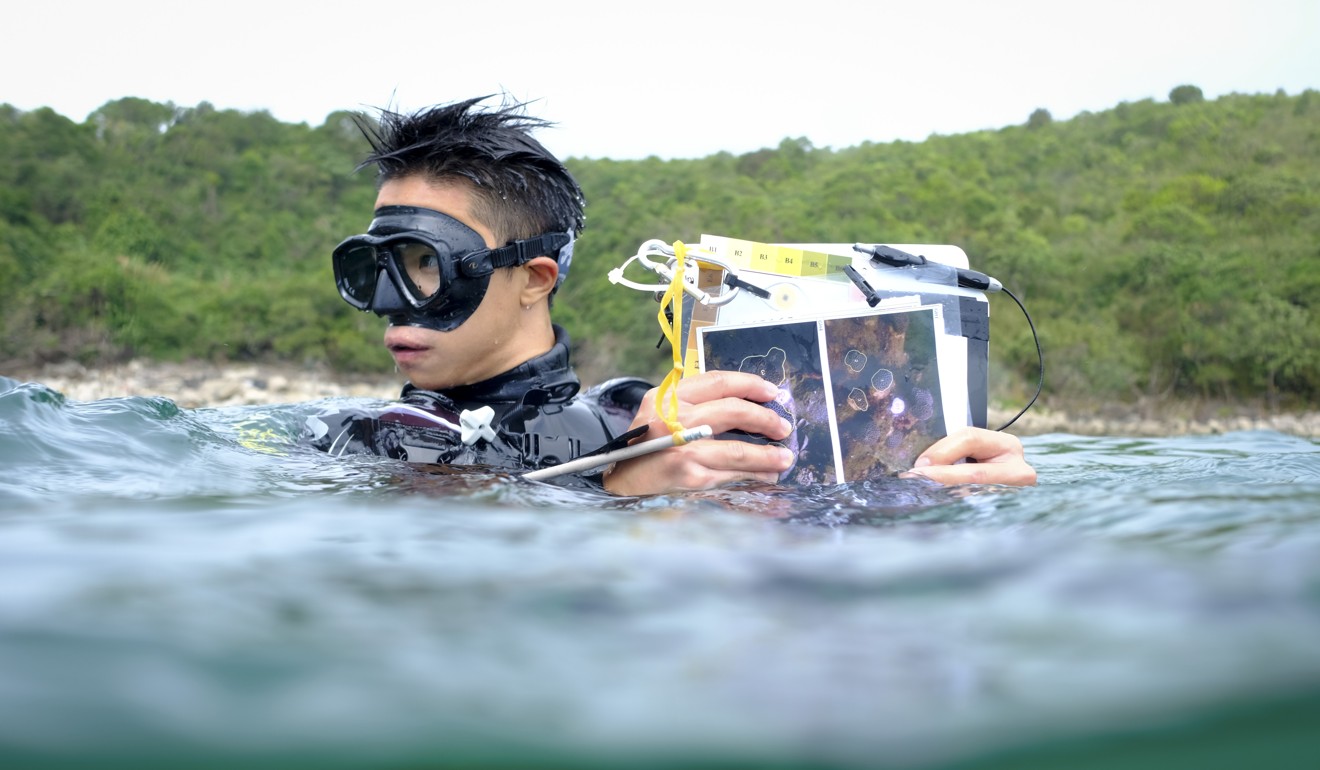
(474, 424)
(666, 269)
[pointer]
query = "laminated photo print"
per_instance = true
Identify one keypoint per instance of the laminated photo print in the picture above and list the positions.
(885, 381)
(862, 392)
(789, 356)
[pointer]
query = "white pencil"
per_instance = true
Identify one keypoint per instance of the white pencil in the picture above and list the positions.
(583, 464)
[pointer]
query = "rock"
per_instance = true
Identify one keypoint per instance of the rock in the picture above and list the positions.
(68, 369)
(197, 384)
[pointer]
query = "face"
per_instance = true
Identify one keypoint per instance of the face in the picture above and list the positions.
(494, 339)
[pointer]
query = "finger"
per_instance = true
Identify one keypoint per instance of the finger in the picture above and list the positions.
(709, 386)
(729, 414)
(1016, 473)
(687, 479)
(976, 443)
(713, 463)
(699, 465)
(748, 389)
(722, 416)
(723, 455)
(736, 455)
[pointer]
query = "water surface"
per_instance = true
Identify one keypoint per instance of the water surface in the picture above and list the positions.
(193, 588)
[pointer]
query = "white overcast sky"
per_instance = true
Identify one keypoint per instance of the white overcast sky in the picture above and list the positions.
(674, 78)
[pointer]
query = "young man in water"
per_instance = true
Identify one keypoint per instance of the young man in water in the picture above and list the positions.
(473, 233)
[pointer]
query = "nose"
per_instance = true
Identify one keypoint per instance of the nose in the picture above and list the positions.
(387, 301)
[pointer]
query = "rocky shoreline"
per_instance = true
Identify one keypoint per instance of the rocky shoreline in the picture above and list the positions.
(193, 385)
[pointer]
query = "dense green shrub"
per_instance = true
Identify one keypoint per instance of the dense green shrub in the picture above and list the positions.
(1162, 247)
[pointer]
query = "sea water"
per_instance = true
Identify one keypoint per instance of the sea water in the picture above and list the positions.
(194, 588)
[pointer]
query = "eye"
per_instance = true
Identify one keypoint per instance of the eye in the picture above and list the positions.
(421, 264)
(417, 256)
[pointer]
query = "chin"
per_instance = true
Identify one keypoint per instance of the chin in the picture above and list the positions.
(427, 375)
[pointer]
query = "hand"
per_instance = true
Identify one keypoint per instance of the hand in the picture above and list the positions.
(724, 401)
(998, 459)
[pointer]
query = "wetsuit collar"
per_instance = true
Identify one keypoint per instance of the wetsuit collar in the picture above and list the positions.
(546, 379)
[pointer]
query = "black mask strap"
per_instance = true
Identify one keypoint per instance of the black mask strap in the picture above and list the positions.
(515, 254)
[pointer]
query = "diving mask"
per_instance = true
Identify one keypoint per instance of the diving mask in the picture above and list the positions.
(420, 267)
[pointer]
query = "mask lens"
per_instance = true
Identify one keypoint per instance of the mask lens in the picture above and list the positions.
(420, 263)
(356, 266)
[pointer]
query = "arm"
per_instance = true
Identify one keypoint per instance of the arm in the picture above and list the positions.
(724, 401)
(998, 457)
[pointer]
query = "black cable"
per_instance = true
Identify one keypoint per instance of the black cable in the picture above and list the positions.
(1039, 357)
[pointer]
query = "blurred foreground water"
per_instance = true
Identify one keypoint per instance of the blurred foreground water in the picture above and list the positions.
(191, 588)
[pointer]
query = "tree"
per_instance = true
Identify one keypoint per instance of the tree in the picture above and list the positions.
(1160, 247)
(1186, 94)
(1040, 118)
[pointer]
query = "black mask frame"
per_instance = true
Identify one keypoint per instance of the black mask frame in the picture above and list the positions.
(370, 279)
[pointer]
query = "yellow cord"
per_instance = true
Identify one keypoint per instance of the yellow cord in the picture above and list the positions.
(666, 399)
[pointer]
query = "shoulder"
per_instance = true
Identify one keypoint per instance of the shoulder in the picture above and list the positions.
(620, 393)
(337, 431)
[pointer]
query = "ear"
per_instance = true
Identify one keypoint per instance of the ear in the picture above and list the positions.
(541, 273)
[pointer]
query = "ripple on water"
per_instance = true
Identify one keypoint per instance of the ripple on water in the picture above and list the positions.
(193, 579)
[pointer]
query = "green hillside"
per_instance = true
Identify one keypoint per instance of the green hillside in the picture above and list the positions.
(1163, 248)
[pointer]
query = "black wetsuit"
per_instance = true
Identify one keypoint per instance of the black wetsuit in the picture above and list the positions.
(537, 419)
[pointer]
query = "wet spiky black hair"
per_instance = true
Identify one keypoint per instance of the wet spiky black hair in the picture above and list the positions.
(519, 189)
